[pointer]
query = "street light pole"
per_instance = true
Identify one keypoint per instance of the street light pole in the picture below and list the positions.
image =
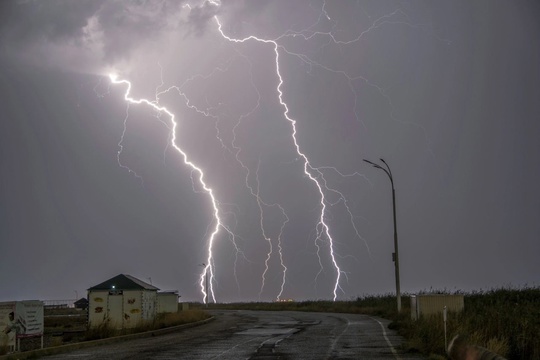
(395, 256)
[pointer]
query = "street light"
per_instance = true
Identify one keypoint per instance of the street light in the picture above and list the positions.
(395, 256)
(205, 283)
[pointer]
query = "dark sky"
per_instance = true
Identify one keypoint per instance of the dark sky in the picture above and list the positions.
(446, 92)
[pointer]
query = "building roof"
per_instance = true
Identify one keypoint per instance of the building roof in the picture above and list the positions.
(123, 282)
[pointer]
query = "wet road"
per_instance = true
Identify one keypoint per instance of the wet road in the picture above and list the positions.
(262, 335)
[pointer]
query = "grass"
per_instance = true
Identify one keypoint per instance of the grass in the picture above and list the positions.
(505, 321)
(379, 305)
(103, 330)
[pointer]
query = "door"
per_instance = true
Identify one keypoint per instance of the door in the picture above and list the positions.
(115, 310)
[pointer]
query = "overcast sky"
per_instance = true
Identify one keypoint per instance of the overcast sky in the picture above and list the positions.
(446, 92)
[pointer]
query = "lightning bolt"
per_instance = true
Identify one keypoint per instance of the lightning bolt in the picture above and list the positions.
(260, 204)
(256, 194)
(209, 268)
(323, 230)
(121, 147)
(396, 17)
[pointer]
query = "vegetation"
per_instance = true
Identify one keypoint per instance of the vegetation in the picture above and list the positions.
(505, 321)
(68, 326)
(162, 321)
(65, 319)
(379, 305)
(63, 330)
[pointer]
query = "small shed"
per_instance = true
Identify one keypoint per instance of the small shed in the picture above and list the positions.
(432, 304)
(167, 301)
(82, 304)
(122, 301)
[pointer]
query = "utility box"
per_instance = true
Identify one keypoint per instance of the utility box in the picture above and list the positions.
(432, 304)
(167, 302)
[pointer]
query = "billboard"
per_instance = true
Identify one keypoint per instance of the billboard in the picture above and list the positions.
(30, 315)
(20, 319)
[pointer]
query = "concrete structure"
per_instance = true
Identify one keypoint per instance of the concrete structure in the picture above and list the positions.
(123, 302)
(167, 302)
(432, 304)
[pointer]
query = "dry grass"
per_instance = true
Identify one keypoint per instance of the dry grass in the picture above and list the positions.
(104, 330)
(504, 321)
(180, 318)
(379, 305)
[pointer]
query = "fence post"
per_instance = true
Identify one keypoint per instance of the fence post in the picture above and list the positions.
(445, 339)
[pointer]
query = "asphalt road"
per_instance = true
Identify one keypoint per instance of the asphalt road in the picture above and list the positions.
(262, 335)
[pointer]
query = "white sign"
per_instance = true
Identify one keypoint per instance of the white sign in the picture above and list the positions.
(20, 319)
(30, 314)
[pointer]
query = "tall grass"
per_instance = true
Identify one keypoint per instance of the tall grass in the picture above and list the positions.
(104, 330)
(380, 305)
(505, 321)
(508, 316)
(180, 318)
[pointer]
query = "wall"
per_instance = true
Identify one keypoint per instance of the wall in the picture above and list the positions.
(123, 309)
(149, 305)
(432, 304)
(97, 307)
(133, 303)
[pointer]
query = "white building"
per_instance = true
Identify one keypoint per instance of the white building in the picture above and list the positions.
(125, 302)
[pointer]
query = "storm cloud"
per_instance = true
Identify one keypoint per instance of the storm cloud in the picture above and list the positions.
(445, 92)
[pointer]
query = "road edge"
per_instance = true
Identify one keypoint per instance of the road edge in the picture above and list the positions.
(85, 344)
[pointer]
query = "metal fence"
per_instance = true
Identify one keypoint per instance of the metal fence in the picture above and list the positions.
(59, 304)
